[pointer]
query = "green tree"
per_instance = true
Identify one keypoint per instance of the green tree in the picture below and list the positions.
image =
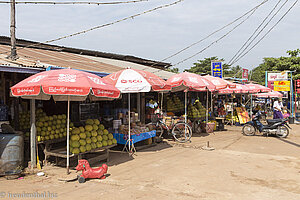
(291, 63)
(204, 66)
(174, 70)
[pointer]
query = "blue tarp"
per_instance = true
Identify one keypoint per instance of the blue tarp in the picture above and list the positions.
(122, 138)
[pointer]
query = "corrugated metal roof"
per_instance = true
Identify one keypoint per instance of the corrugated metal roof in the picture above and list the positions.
(40, 58)
(46, 58)
(124, 64)
(36, 45)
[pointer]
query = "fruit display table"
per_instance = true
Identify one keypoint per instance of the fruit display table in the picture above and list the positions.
(122, 138)
(62, 153)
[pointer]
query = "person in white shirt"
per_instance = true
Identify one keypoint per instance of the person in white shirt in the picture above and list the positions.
(277, 106)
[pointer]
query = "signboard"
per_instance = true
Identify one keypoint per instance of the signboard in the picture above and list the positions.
(216, 69)
(245, 75)
(282, 85)
(242, 115)
(277, 76)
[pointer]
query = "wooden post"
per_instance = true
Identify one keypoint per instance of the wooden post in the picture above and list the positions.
(16, 105)
(33, 152)
(139, 105)
(143, 108)
(13, 54)
(3, 87)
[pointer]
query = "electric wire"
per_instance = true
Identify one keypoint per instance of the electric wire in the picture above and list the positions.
(71, 2)
(216, 40)
(193, 44)
(267, 32)
(259, 32)
(100, 26)
(255, 31)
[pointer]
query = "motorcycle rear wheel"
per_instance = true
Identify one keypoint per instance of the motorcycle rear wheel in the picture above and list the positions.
(248, 130)
(282, 132)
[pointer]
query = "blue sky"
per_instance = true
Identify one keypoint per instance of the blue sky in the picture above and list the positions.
(159, 34)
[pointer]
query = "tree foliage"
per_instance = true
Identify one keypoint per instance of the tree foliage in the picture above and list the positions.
(174, 70)
(204, 67)
(291, 63)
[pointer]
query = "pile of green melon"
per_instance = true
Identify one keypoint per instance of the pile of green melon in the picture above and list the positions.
(51, 127)
(91, 136)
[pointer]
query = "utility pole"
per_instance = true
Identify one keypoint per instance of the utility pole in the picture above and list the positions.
(13, 54)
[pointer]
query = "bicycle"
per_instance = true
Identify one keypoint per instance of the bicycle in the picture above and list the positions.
(181, 131)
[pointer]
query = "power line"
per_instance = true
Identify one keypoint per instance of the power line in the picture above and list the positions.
(193, 44)
(237, 57)
(216, 40)
(254, 32)
(100, 26)
(72, 2)
(267, 32)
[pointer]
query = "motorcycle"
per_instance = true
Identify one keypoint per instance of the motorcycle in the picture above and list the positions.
(279, 127)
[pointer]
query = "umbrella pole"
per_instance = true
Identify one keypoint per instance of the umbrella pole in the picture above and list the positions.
(207, 107)
(129, 134)
(162, 100)
(251, 106)
(68, 133)
(211, 102)
(185, 101)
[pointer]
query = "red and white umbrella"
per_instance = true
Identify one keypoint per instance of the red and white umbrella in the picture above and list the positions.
(191, 82)
(269, 94)
(239, 89)
(256, 88)
(133, 81)
(219, 83)
(64, 85)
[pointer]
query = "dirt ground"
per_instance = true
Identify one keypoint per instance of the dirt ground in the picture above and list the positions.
(240, 167)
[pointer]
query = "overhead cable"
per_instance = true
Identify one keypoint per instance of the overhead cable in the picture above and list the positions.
(245, 48)
(193, 44)
(100, 26)
(72, 2)
(267, 32)
(216, 40)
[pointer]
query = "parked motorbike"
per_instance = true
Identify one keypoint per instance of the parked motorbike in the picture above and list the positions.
(279, 127)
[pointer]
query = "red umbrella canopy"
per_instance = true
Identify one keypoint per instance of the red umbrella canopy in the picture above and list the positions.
(269, 94)
(257, 88)
(240, 89)
(219, 83)
(62, 83)
(133, 80)
(193, 82)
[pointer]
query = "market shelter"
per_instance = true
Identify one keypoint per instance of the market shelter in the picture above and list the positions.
(63, 85)
(136, 81)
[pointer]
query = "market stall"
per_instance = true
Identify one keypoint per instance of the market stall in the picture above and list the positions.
(191, 82)
(63, 85)
(135, 81)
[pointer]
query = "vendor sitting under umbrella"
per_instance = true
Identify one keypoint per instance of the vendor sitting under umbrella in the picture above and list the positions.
(277, 106)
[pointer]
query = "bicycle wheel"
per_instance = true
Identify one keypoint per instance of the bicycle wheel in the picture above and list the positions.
(158, 127)
(182, 132)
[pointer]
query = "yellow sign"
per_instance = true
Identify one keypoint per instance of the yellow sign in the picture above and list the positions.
(282, 85)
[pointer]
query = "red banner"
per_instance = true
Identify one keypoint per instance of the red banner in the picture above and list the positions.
(245, 75)
(271, 85)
